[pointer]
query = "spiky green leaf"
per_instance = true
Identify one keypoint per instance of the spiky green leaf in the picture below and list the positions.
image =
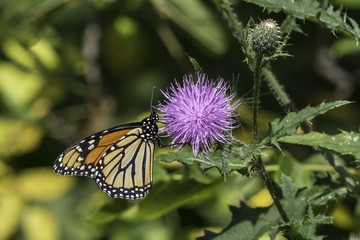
(289, 124)
(343, 143)
(313, 11)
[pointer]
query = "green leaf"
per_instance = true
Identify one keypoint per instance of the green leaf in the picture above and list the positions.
(289, 24)
(335, 20)
(186, 156)
(196, 65)
(292, 120)
(293, 206)
(299, 210)
(247, 224)
(324, 192)
(196, 19)
(311, 10)
(319, 219)
(296, 170)
(163, 198)
(298, 8)
(225, 160)
(288, 187)
(172, 195)
(343, 143)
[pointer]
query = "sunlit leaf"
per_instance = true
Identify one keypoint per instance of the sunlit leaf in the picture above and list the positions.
(39, 224)
(260, 199)
(18, 53)
(17, 87)
(11, 207)
(342, 217)
(42, 184)
(18, 137)
(46, 54)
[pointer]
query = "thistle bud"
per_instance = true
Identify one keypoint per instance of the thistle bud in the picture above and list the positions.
(265, 37)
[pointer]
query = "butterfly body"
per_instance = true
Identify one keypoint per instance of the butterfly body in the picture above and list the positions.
(119, 159)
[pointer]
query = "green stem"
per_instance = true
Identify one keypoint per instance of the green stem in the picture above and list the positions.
(256, 95)
(269, 185)
(232, 19)
(258, 161)
(278, 91)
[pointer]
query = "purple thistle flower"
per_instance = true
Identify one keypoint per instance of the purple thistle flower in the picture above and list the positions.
(197, 113)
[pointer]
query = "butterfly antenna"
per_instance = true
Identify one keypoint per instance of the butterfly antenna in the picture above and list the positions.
(152, 96)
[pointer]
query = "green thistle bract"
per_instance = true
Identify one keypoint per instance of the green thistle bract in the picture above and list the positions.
(265, 37)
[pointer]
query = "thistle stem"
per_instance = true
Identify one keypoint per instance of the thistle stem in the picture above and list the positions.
(256, 95)
(269, 185)
(264, 175)
(278, 91)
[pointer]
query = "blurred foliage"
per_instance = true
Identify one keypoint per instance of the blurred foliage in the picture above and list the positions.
(69, 68)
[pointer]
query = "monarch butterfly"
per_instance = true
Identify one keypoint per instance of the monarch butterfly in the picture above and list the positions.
(119, 159)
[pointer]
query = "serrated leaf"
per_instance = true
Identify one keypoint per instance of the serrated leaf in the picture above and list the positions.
(332, 18)
(309, 232)
(343, 143)
(318, 219)
(311, 10)
(288, 187)
(289, 24)
(298, 8)
(292, 120)
(247, 152)
(224, 161)
(335, 20)
(294, 207)
(247, 223)
(323, 192)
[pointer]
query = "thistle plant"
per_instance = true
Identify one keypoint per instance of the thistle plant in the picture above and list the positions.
(201, 114)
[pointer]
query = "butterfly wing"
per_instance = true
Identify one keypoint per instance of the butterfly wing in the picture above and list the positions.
(125, 169)
(119, 159)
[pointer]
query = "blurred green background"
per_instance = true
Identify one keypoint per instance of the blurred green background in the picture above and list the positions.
(70, 68)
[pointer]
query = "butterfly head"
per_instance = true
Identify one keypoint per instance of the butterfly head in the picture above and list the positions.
(154, 116)
(149, 126)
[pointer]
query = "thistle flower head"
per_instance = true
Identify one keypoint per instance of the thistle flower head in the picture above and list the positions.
(265, 37)
(197, 112)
